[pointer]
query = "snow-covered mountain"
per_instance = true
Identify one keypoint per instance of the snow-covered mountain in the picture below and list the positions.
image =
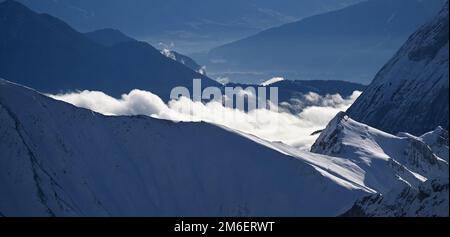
(430, 199)
(410, 173)
(60, 160)
(389, 161)
(411, 92)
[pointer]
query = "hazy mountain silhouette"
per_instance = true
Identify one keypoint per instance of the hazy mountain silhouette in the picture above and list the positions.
(348, 44)
(192, 25)
(45, 53)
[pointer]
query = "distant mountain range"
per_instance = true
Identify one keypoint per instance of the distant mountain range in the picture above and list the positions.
(111, 37)
(60, 59)
(185, 60)
(349, 44)
(192, 25)
(388, 155)
(411, 92)
(45, 53)
(291, 94)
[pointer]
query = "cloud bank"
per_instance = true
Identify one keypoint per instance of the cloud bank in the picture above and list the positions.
(292, 129)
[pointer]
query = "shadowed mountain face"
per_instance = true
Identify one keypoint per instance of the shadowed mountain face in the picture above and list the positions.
(348, 44)
(43, 52)
(411, 92)
(192, 25)
(60, 59)
(109, 37)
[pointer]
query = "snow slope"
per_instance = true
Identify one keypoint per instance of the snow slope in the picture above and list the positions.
(430, 199)
(411, 92)
(438, 142)
(60, 160)
(390, 162)
(56, 159)
(409, 173)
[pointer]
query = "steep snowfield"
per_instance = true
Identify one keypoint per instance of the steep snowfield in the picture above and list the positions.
(430, 199)
(56, 159)
(390, 162)
(411, 92)
(438, 142)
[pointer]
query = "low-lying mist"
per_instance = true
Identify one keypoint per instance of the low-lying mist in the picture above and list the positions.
(276, 126)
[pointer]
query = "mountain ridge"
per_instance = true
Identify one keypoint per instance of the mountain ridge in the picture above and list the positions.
(410, 158)
(347, 44)
(61, 59)
(75, 162)
(193, 26)
(410, 93)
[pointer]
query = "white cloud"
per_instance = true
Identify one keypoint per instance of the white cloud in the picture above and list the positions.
(292, 129)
